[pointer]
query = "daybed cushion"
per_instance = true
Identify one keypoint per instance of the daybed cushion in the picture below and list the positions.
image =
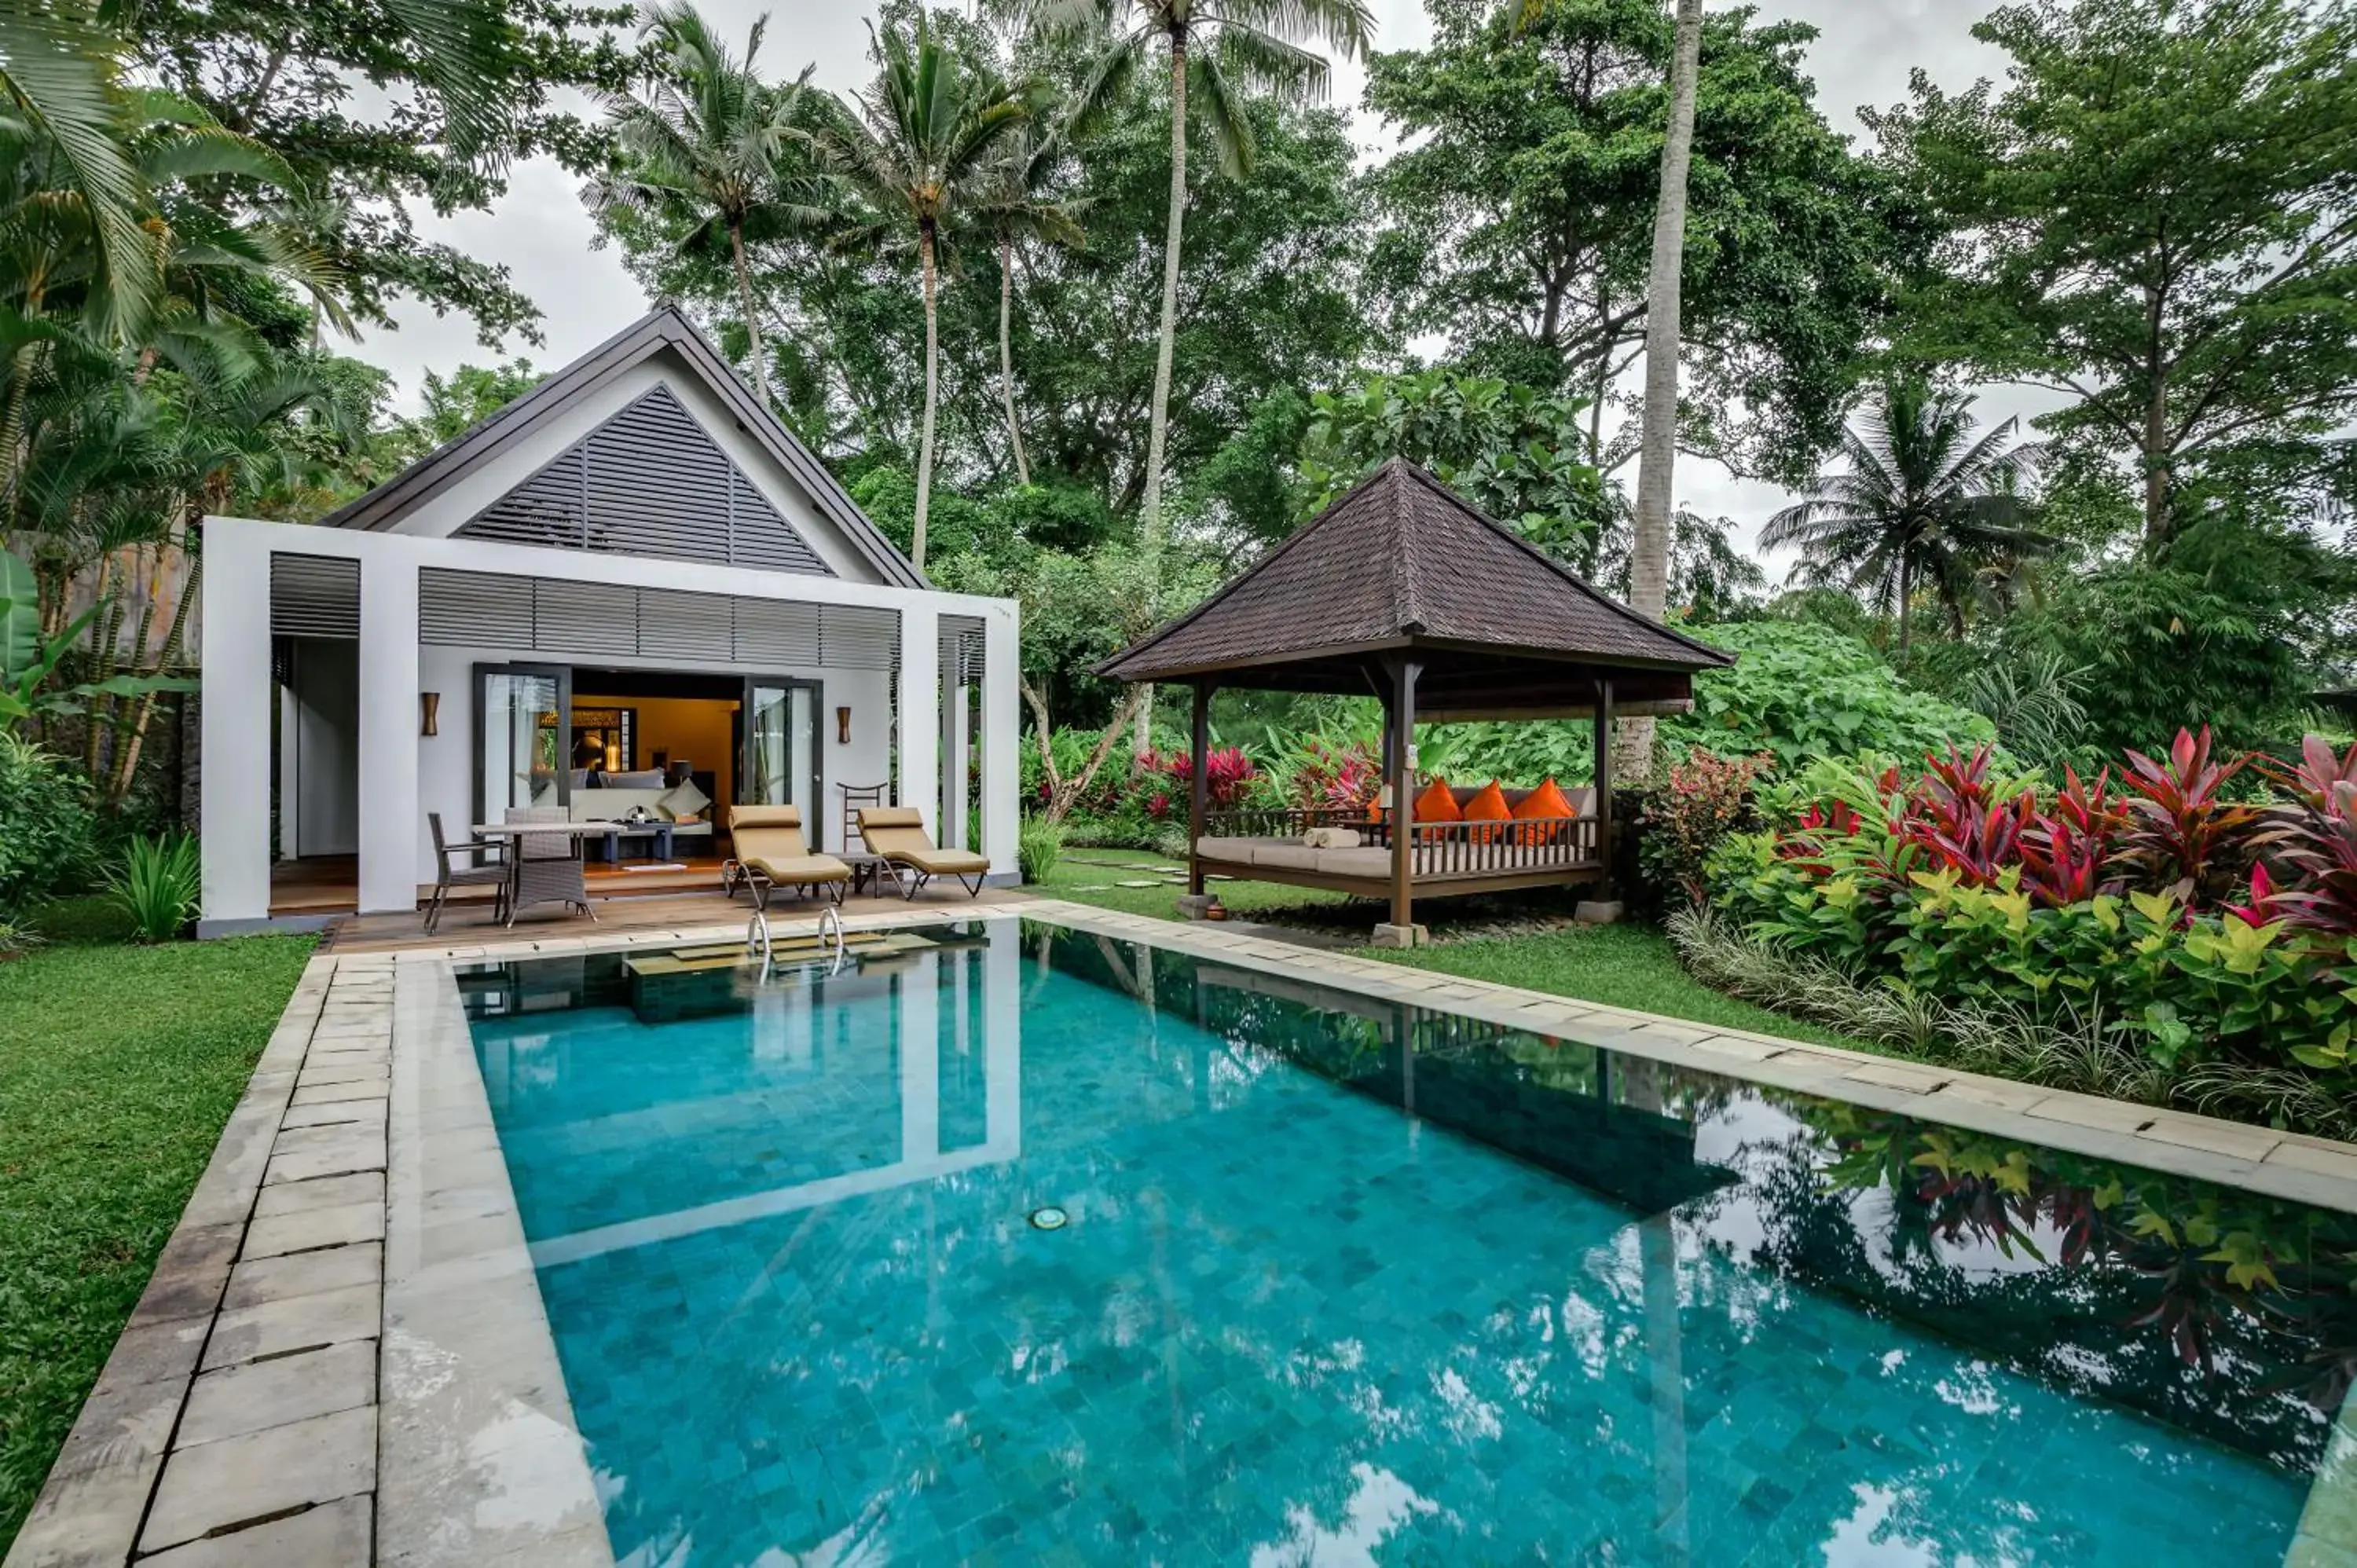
(1487, 805)
(1438, 804)
(1235, 851)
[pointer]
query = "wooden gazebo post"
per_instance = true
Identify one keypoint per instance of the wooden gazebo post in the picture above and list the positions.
(1198, 788)
(1604, 783)
(1401, 766)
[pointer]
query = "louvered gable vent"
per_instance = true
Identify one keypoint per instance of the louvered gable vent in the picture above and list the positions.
(650, 481)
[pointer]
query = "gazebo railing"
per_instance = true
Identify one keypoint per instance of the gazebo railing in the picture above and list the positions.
(1440, 849)
(1488, 849)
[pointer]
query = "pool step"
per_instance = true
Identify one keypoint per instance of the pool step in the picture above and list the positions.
(730, 955)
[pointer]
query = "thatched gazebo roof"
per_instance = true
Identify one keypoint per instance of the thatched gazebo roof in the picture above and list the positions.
(1401, 565)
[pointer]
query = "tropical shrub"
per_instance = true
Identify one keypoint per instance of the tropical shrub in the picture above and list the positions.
(2213, 941)
(157, 884)
(46, 824)
(1038, 848)
(1799, 691)
(1706, 798)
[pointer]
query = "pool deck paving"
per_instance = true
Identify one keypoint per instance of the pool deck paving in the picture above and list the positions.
(341, 1358)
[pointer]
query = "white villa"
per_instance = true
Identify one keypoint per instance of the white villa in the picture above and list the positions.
(631, 578)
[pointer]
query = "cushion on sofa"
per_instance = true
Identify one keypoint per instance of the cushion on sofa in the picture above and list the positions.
(683, 802)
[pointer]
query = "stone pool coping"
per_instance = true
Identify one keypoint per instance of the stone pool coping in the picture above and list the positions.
(342, 1358)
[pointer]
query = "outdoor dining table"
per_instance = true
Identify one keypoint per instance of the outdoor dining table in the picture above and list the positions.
(576, 832)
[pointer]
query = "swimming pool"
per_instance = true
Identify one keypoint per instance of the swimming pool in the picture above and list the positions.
(1340, 1280)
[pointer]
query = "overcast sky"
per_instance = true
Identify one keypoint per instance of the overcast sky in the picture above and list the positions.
(542, 233)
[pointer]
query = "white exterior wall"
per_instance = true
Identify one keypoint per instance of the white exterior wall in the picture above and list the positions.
(402, 775)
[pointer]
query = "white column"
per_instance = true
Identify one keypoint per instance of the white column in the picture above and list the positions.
(1002, 772)
(290, 776)
(233, 810)
(954, 722)
(919, 1015)
(921, 719)
(1002, 1040)
(390, 826)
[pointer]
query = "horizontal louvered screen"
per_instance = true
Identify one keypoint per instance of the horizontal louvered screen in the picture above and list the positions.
(961, 644)
(674, 625)
(314, 596)
(650, 481)
(853, 639)
(545, 614)
(770, 633)
(476, 610)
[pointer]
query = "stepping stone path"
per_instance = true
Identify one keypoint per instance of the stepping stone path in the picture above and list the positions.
(1142, 885)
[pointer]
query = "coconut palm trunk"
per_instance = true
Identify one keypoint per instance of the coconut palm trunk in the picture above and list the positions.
(1157, 428)
(1649, 555)
(1007, 355)
(932, 384)
(752, 316)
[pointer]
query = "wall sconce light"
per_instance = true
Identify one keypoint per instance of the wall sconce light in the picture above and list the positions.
(843, 726)
(430, 712)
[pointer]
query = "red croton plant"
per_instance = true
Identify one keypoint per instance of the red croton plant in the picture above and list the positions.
(2164, 824)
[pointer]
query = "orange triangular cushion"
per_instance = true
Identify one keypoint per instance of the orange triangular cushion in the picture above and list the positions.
(1436, 804)
(1487, 805)
(1546, 800)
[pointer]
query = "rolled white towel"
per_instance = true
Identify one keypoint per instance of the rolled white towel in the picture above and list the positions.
(1331, 838)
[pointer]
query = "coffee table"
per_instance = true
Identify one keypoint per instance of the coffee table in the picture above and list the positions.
(870, 870)
(621, 833)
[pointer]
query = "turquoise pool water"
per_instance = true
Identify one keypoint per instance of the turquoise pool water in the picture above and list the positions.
(1345, 1283)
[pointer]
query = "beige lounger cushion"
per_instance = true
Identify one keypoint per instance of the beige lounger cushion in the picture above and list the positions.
(769, 838)
(897, 834)
(798, 869)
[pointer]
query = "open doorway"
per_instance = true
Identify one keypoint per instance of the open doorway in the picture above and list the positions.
(315, 803)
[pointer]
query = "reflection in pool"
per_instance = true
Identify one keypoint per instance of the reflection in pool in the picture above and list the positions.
(1348, 1281)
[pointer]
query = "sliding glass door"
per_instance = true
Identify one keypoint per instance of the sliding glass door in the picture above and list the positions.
(522, 719)
(781, 765)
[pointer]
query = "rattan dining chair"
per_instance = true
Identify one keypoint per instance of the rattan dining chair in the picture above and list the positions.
(547, 866)
(448, 875)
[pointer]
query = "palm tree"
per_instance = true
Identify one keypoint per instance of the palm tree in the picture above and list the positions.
(1227, 47)
(918, 148)
(1015, 213)
(58, 82)
(708, 143)
(1921, 496)
(1649, 547)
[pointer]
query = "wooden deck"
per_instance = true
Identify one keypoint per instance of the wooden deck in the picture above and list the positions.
(330, 885)
(675, 912)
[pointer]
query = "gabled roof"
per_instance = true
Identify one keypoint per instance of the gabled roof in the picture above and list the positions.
(1403, 561)
(661, 331)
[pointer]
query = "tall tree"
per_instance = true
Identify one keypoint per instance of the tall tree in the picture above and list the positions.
(1649, 543)
(1518, 215)
(1015, 210)
(917, 146)
(2157, 218)
(1227, 47)
(385, 107)
(1921, 499)
(709, 144)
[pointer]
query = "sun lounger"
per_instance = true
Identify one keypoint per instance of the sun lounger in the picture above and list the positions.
(769, 854)
(897, 834)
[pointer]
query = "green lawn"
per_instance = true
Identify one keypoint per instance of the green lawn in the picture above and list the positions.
(118, 1066)
(1620, 966)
